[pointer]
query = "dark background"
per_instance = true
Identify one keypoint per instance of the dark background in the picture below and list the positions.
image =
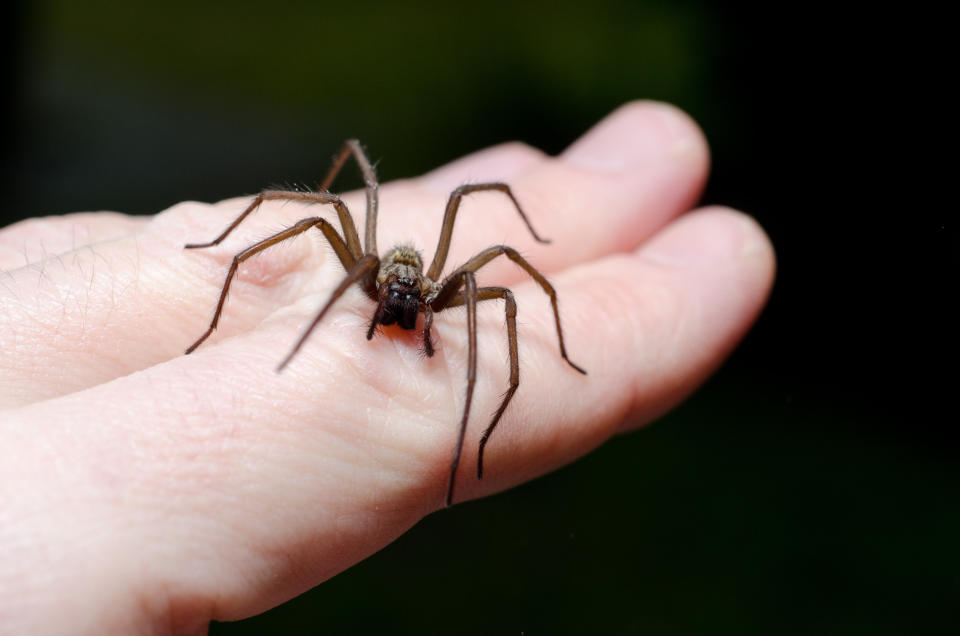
(809, 487)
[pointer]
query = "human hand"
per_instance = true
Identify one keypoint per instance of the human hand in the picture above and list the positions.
(143, 490)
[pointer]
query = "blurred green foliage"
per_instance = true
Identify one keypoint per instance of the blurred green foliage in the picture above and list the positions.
(420, 84)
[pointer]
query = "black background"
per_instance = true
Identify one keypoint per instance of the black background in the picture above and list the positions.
(809, 487)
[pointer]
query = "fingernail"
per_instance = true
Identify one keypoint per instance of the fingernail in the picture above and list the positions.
(721, 237)
(635, 134)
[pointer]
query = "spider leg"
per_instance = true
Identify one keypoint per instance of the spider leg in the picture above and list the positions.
(346, 221)
(381, 299)
(343, 253)
(353, 147)
(450, 215)
(470, 300)
(492, 293)
(452, 283)
(427, 324)
(360, 271)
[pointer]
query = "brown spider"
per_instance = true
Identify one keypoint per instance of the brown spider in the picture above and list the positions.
(397, 282)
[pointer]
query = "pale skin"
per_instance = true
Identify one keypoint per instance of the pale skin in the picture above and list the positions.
(144, 491)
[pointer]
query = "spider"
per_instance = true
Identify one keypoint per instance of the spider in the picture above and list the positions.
(396, 282)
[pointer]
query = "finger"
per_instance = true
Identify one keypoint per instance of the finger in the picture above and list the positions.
(113, 307)
(102, 311)
(502, 162)
(33, 240)
(648, 326)
(253, 486)
(624, 179)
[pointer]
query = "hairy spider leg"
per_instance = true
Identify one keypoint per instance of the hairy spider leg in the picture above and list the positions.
(382, 292)
(470, 300)
(450, 215)
(427, 324)
(371, 187)
(346, 221)
(338, 244)
(361, 271)
(450, 296)
(510, 309)
(451, 285)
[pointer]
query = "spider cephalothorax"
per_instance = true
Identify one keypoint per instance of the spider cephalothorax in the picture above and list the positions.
(401, 286)
(397, 282)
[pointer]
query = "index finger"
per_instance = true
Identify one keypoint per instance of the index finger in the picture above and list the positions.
(109, 309)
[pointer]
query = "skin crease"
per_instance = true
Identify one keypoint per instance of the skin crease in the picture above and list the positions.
(181, 489)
